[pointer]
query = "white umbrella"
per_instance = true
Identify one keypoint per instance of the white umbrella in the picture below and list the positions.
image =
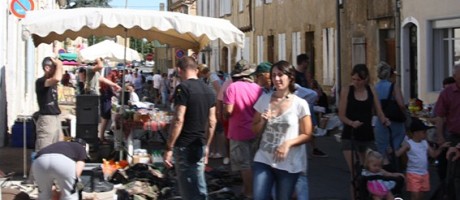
(108, 49)
(175, 29)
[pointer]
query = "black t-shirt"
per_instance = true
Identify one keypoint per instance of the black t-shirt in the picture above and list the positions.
(72, 150)
(198, 98)
(301, 79)
(47, 98)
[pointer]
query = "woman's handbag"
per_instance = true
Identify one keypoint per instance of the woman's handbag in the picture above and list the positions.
(391, 108)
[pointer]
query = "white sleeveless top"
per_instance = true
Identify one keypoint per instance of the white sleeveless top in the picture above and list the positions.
(417, 157)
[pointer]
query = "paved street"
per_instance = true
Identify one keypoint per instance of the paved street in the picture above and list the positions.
(328, 177)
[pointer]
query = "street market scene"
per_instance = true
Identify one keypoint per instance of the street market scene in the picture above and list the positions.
(229, 99)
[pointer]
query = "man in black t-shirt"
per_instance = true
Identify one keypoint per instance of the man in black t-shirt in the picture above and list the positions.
(49, 129)
(192, 131)
(62, 162)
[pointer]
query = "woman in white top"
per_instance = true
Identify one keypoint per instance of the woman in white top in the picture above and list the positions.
(284, 122)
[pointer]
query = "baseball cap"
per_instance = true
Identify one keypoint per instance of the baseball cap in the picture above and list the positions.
(264, 67)
(418, 125)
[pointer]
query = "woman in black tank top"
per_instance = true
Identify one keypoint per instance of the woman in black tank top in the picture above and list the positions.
(356, 106)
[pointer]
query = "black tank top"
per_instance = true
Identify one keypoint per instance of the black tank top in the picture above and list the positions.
(361, 111)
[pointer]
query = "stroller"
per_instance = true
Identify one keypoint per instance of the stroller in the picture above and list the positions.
(360, 182)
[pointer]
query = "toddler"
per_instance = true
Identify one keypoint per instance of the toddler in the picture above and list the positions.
(380, 189)
(417, 151)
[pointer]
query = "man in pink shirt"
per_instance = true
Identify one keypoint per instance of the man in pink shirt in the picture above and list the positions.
(239, 99)
(448, 118)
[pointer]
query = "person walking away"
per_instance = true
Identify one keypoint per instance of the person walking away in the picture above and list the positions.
(284, 124)
(417, 150)
(356, 105)
(60, 163)
(382, 134)
(191, 132)
(447, 111)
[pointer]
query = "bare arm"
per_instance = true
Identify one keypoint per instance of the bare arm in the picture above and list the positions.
(211, 128)
(258, 123)
(110, 83)
(177, 124)
(57, 76)
(79, 168)
(228, 110)
(404, 148)
(434, 153)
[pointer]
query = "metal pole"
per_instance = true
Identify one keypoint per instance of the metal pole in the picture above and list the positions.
(24, 145)
(123, 90)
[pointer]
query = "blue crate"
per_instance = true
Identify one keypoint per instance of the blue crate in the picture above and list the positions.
(18, 132)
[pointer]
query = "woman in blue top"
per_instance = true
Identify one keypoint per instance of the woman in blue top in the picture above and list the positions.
(382, 135)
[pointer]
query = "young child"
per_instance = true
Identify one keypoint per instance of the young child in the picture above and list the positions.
(380, 189)
(417, 150)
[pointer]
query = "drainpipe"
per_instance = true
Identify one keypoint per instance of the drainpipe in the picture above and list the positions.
(398, 35)
(338, 83)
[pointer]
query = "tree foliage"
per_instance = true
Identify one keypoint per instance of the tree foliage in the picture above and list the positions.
(91, 3)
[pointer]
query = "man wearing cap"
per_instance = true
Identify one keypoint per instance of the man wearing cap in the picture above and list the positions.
(263, 76)
(447, 119)
(48, 123)
(239, 100)
(62, 162)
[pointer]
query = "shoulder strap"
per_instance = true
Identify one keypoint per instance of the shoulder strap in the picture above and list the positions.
(390, 94)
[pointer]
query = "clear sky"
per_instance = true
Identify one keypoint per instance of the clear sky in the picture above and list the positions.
(138, 4)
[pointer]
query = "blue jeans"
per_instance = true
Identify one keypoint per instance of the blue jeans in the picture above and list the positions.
(265, 177)
(382, 136)
(189, 164)
(301, 188)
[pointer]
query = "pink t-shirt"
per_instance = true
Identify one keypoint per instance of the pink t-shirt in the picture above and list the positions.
(242, 95)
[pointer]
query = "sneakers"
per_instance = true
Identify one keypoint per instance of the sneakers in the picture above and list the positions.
(226, 161)
(318, 153)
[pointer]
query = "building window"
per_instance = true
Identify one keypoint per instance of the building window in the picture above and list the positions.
(259, 3)
(446, 53)
(282, 46)
(268, 1)
(328, 56)
(295, 46)
(260, 49)
(240, 5)
(225, 7)
(247, 49)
